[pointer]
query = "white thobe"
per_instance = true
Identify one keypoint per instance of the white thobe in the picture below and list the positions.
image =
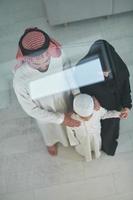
(48, 111)
(86, 138)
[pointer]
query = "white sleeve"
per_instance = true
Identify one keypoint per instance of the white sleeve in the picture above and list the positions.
(110, 114)
(32, 109)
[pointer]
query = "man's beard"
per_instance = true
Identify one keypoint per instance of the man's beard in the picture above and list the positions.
(43, 70)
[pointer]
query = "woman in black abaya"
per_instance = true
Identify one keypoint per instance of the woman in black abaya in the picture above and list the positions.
(113, 94)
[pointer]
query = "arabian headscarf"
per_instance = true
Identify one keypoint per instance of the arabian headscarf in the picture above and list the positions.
(33, 43)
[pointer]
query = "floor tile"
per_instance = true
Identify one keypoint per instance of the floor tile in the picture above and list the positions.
(27, 195)
(123, 181)
(92, 188)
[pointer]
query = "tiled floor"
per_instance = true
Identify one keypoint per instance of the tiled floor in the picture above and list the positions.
(27, 172)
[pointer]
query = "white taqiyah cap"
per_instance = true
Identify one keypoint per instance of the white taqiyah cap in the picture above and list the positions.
(83, 105)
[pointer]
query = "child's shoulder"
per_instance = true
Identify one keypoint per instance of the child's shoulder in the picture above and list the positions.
(76, 117)
(99, 113)
(101, 109)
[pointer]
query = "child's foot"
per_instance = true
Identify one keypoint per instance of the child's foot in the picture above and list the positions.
(52, 150)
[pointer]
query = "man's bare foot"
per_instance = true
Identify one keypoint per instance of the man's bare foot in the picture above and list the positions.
(52, 150)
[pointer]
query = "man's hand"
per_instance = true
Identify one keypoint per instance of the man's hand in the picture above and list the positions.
(68, 121)
(96, 103)
(124, 113)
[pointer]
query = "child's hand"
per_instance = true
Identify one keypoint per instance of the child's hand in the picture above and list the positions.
(124, 113)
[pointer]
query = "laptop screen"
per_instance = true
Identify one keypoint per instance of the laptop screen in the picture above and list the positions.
(86, 73)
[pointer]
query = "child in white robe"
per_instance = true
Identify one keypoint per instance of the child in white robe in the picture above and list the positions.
(86, 138)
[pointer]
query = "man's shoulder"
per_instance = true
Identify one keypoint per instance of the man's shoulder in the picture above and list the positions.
(20, 71)
(20, 75)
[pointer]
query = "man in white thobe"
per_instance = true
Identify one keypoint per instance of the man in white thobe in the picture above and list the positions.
(39, 55)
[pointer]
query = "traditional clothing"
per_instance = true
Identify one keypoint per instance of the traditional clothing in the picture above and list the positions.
(113, 94)
(86, 138)
(48, 111)
(34, 47)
